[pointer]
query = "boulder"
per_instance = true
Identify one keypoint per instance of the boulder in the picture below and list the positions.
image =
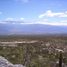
(5, 63)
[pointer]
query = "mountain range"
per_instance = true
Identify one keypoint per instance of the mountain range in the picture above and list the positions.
(9, 29)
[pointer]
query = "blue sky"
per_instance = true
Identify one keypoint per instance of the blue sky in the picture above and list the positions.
(52, 12)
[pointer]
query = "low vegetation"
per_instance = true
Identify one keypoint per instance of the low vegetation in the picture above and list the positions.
(42, 53)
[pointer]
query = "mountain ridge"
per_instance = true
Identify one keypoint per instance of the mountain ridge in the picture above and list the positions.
(31, 29)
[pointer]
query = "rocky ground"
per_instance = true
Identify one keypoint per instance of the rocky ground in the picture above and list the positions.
(5, 63)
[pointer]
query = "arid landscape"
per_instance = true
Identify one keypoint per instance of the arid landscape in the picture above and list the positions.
(33, 33)
(34, 51)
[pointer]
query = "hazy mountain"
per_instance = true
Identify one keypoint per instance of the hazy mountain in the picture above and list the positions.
(31, 29)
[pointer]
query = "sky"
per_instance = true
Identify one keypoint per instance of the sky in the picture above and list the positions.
(51, 12)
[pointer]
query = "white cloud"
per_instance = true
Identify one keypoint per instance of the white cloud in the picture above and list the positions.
(0, 12)
(38, 22)
(53, 23)
(64, 21)
(49, 13)
(46, 22)
(1, 22)
(14, 19)
(21, 19)
(9, 19)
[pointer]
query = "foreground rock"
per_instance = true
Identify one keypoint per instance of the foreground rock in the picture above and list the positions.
(5, 63)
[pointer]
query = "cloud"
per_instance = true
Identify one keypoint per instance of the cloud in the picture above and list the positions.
(0, 12)
(21, 19)
(38, 21)
(49, 13)
(46, 22)
(14, 19)
(53, 23)
(64, 21)
(2, 22)
(24, 1)
(9, 19)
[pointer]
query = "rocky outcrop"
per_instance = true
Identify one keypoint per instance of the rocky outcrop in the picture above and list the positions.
(5, 63)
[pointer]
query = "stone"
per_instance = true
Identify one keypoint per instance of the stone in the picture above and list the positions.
(5, 63)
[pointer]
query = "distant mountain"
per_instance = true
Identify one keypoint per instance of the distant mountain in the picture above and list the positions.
(31, 29)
